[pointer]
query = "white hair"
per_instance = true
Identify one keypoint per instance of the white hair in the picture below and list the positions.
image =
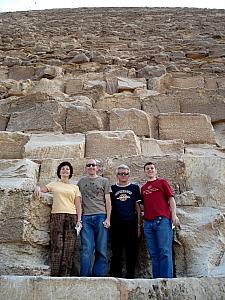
(122, 166)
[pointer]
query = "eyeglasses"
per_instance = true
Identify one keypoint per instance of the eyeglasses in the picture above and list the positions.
(91, 165)
(123, 174)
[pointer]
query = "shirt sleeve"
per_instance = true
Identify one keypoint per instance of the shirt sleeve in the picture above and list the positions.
(107, 186)
(77, 191)
(167, 189)
(49, 187)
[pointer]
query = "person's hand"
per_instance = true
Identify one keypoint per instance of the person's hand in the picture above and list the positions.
(79, 224)
(106, 223)
(37, 192)
(175, 221)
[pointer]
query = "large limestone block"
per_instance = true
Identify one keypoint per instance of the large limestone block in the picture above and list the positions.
(213, 107)
(21, 72)
(192, 128)
(47, 116)
(202, 243)
(41, 146)
(161, 103)
(170, 167)
(3, 73)
(45, 288)
(131, 119)
(82, 119)
(188, 82)
(49, 169)
(206, 176)
(18, 174)
(12, 144)
(50, 87)
(101, 144)
(120, 100)
(74, 85)
(130, 84)
(20, 88)
(151, 147)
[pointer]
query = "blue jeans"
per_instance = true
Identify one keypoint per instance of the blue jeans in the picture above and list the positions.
(94, 237)
(159, 238)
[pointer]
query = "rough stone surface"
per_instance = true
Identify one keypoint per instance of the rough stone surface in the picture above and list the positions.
(117, 143)
(152, 147)
(192, 128)
(131, 119)
(12, 144)
(42, 146)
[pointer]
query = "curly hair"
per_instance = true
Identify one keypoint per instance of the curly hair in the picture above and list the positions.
(65, 163)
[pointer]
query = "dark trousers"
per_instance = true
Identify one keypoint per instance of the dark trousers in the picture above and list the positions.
(124, 239)
(62, 239)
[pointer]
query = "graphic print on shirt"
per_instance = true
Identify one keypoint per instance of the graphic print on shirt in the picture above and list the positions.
(123, 195)
(150, 189)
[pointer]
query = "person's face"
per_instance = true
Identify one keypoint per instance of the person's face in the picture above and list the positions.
(150, 171)
(123, 176)
(91, 167)
(65, 171)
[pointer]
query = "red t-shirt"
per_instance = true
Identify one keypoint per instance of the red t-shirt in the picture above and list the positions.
(155, 195)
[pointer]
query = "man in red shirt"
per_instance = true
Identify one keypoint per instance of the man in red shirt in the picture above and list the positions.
(159, 216)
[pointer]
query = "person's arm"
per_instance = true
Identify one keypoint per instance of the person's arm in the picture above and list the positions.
(39, 190)
(172, 204)
(138, 211)
(77, 203)
(108, 208)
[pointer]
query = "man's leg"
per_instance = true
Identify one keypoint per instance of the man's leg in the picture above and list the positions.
(117, 242)
(152, 246)
(165, 239)
(87, 246)
(100, 267)
(131, 243)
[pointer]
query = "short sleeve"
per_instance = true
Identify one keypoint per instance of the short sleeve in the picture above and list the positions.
(167, 189)
(77, 191)
(49, 186)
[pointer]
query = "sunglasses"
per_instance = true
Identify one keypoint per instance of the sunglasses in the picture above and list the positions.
(91, 165)
(123, 174)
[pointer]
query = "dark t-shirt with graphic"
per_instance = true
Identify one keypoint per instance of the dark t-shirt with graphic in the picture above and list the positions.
(123, 200)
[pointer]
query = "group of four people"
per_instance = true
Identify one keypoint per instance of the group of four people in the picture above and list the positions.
(96, 207)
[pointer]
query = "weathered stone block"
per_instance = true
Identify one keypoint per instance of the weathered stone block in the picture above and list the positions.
(157, 104)
(21, 72)
(4, 119)
(151, 147)
(50, 87)
(130, 84)
(12, 144)
(131, 119)
(121, 100)
(117, 143)
(74, 85)
(82, 119)
(41, 146)
(188, 82)
(192, 128)
(48, 116)
(18, 174)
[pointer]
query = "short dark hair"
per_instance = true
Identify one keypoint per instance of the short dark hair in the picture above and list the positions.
(65, 163)
(148, 164)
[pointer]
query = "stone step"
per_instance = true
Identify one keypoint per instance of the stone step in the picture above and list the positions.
(40, 287)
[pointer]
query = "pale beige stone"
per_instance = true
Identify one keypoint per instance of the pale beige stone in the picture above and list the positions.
(161, 103)
(115, 288)
(205, 175)
(120, 100)
(82, 119)
(12, 144)
(220, 83)
(20, 88)
(47, 116)
(48, 72)
(187, 198)
(188, 82)
(4, 119)
(192, 128)
(21, 72)
(50, 87)
(129, 84)
(41, 146)
(74, 85)
(130, 119)
(117, 143)
(151, 147)
(18, 174)
(3, 73)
